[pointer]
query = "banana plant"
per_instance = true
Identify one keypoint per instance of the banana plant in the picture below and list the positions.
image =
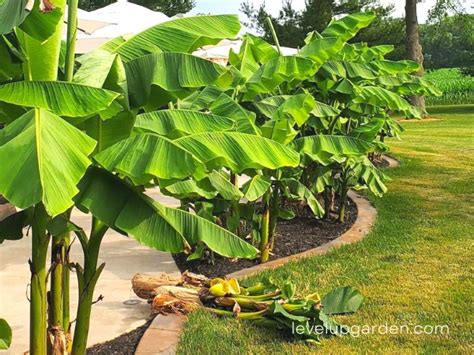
(64, 133)
(263, 72)
(143, 112)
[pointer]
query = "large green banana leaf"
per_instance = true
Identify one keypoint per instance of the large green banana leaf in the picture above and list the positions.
(323, 178)
(121, 207)
(405, 84)
(369, 130)
(238, 151)
(254, 51)
(43, 55)
(279, 70)
(256, 187)
(215, 183)
(326, 149)
(293, 110)
(223, 185)
(10, 65)
(224, 105)
(219, 103)
(147, 156)
(323, 110)
(294, 107)
(279, 130)
(389, 67)
(110, 131)
(371, 178)
(11, 227)
(102, 69)
(298, 107)
(173, 73)
(9, 112)
(345, 86)
(359, 71)
(342, 300)
(177, 123)
(321, 49)
(287, 111)
(61, 98)
(270, 105)
(43, 158)
(127, 210)
(197, 229)
(190, 189)
(180, 35)
(348, 26)
(12, 13)
(377, 52)
(41, 25)
(94, 70)
(295, 189)
(347, 69)
(333, 68)
(377, 96)
(363, 53)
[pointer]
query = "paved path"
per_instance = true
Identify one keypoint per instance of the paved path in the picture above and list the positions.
(111, 317)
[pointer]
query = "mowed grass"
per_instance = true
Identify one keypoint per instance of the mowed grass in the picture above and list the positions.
(414, 268)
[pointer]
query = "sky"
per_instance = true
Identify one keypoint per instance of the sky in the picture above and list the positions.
(233, 6)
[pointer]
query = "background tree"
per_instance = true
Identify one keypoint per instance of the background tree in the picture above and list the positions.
(292, 26)
(288, 24)
(449, 43)
(414, 50)
(448, 37)
(168, 7)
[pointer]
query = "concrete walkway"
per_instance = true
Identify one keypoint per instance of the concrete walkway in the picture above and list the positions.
(111, 317)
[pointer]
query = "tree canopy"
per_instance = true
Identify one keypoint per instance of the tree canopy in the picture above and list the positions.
(168, 7)
(292, 26)
(447, 38)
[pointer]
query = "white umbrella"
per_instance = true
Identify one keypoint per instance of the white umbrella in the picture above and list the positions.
(125, 18)
(119, 19)
(220, 52)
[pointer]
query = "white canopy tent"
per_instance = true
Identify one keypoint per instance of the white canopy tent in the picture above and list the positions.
(121, 18)
(125, 18)
(220, 52)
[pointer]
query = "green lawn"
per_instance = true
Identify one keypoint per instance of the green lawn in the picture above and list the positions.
(415, 267)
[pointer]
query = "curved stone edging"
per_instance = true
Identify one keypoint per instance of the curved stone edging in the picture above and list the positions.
(162, 336)
(392, 162)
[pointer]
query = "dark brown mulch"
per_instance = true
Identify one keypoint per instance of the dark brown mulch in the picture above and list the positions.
(294, 236)
(124, 344)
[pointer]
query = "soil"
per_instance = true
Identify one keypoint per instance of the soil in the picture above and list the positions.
(294, 236)
(124, 344)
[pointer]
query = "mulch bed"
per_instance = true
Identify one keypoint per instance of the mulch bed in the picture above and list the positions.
(293, 236)
(125, 344)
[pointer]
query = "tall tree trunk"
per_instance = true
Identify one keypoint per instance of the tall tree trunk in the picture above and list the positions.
(413, 46)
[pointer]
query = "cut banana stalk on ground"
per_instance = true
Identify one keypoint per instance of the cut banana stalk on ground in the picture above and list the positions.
(265, 303)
